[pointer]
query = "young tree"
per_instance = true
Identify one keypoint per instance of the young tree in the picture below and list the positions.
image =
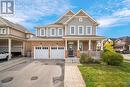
(109, 46)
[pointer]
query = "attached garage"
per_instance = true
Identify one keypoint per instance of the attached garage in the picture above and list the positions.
(57, 53)
(41, 52)
(48, 52)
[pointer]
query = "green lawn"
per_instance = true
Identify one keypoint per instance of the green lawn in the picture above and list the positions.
(97, 75)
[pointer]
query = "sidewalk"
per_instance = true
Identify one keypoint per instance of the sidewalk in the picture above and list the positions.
(11, 63)
(73, 77)
(126, 56)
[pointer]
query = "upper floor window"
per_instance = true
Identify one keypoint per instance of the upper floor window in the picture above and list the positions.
(80, 30)
(72, 30)
(60, 31)
(80, 19)
(42, 32)
(88, 30)
(2, 31)
(53, 31)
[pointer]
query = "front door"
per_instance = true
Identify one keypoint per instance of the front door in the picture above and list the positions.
(71, 50)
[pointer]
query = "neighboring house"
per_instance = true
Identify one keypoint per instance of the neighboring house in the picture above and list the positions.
(13, 38)
(71, 35)
(122, 44)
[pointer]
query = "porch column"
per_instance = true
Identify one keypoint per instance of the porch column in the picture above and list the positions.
(9, 48)
(78, 51)
(78, 45)
(65, 44)
(66, 53)
(101, 44)
(89, 44)
(23, 50)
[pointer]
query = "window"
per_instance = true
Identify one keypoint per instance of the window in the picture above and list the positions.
(38, 32)
(80, 19)
(2, 31)
(53, 31)
(89, 30)
(72, 30)
(60, 31)
(80, 30)
(42, 32)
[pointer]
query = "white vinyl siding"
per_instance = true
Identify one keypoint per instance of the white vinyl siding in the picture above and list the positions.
(42, 32)
(88, 30)
(60, 32)
(80, 30)
(72, 30)
(53, 32)
(2, 30)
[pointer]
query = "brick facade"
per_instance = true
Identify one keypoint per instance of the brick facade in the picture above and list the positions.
(61, 43)
(46, 43)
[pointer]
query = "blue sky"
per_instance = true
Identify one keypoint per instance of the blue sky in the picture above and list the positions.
(113, 15)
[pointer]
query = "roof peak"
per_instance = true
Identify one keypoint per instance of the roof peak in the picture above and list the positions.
(69, 12)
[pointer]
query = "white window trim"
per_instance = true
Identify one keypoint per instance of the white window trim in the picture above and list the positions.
(59, 32)
(90, 30)
(41, 31)
(82, 30)
(70, 30)
(2, 31)
(51, 31)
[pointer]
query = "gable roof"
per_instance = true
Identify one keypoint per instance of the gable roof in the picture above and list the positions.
(69, 12)
(82, 13)
(4, 22)
(65, 17)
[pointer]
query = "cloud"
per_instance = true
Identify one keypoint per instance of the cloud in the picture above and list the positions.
(117, 18)
(122, 13)
(107, 21)
(34, 9)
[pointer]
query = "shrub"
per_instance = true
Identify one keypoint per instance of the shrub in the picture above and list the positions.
(112, 58)
(85, 59)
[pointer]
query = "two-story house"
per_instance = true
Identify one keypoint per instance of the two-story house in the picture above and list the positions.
(122, 44)
(71, 35)
(13, 38)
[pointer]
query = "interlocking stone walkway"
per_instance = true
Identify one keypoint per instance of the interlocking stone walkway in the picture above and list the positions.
(73, 77)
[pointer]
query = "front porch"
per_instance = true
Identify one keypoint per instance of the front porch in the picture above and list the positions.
(74, 48)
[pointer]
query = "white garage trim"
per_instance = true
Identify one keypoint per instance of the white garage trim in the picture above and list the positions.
(41, 52)
(56, 53)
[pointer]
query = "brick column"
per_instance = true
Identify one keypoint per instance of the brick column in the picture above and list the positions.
(78, 53)
(66, 52)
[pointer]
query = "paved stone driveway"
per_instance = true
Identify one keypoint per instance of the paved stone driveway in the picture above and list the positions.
(73, 77)
(22, 76)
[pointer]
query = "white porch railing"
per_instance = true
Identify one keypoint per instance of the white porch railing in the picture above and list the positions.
(93, 54)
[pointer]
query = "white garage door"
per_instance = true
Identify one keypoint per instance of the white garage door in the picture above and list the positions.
(57, 53)
(41, 53)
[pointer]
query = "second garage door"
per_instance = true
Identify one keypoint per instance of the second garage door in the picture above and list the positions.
(57, 53)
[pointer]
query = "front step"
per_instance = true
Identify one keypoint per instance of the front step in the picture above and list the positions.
(72, 60)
